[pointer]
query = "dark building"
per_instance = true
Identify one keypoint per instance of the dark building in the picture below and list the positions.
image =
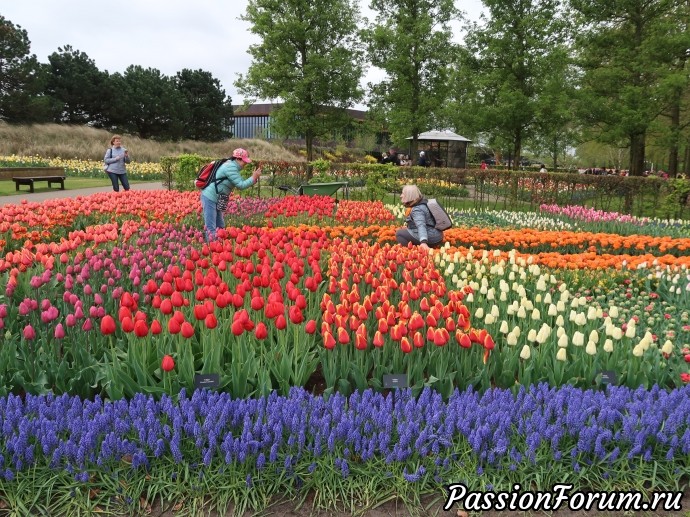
(254, 121)
(443, 148)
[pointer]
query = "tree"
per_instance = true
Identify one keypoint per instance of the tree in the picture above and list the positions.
(76, 86)
(310, 58)
(413, 46)
(556, 129)
(148, 104)
(210, 111)
(21, 77)
(627, 50)
(503, 72)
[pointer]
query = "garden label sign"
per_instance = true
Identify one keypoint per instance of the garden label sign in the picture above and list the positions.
(396, 380)
(206, 380)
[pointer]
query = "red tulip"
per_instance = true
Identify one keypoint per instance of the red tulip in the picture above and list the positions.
(174, 326)
(200, 312)
(156, 327)
(281, 322)
(343, 336)
(261, 332)
(127, 324)
(168, 363)
(141, 329)
(328, 341)
(310, 327)
(187, 330)
(378, 339)
(107, 325)
(418, 340)
(166, 306)
(463, 339)
(211, 321)
(405, 345)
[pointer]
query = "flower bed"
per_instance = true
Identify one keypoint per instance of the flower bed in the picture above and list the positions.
(354, 451)
(118, 297)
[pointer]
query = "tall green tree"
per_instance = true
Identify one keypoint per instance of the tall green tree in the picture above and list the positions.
(309, 58)
(76, 86)
(412, 42)
(504, 69)
(147, 103)
(21, 77)
(628, 51)
(210, 111)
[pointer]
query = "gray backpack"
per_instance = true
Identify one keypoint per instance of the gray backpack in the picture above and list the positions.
(441, 217)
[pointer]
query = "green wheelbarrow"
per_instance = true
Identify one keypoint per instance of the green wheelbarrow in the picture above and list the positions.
(317, 189)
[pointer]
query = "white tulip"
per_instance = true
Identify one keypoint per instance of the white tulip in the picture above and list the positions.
(553, 311)
(547, 298)
(504, 327)
(560, 331)
(517, 331)
(521, 313)
(591, 348)
(573, 315)
(536, 316)
(537, 298)
(575, 303)
(667, 348)
(495, 312)
(525, 353)
(608, 346)
(560, 306)
(532, 335)
(483, 289)
(561, 355)
(580, 319)
(541, 284)
(591, 313)
(503, 297)
(594, 336)
(630, 331)
(563, 341)
(638, 351)
(511, 339)
(479, 313)
(559, 320)
(617, 333)
(563, 288)
(613, 312)
(578, 338)
(470, 298)
(490, 294)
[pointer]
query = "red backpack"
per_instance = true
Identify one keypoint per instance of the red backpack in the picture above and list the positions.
(207, 174)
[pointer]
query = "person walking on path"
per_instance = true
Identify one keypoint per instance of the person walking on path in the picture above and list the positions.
(115, 159)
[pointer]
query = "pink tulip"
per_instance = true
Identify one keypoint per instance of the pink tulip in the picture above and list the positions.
(29, 333)
(59, 331)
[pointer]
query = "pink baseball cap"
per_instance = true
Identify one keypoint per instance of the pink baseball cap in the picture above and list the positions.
(242, 155)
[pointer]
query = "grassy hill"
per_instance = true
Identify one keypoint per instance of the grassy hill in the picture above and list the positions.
(87, 143)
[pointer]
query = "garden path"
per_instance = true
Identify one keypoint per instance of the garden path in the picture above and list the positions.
(56, 194)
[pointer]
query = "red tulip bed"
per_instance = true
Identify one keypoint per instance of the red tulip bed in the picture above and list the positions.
(112, 305)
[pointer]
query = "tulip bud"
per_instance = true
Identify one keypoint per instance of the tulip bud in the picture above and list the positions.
(561, 355)
(525, 353)
(168, 363)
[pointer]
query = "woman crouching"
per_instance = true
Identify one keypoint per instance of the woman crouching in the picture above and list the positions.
(420, 227)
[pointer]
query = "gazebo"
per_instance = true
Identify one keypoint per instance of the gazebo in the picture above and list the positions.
(443, 148)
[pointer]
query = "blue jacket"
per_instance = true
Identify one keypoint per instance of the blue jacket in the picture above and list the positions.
(228, 176)
(114, 160)
(421, 224)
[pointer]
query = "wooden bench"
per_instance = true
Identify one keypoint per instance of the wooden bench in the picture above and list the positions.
(32, 180)
(30, 175)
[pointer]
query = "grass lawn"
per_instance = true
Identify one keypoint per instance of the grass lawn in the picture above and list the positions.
(7, 187)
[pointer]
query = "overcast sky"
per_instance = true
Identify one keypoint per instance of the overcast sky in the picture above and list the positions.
(167, 35)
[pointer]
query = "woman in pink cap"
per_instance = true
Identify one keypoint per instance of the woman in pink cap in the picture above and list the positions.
(227, 178)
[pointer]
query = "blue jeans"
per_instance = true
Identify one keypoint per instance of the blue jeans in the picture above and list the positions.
(123, 179)
(213, 218)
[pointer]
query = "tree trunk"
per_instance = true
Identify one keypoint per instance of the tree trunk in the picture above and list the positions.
(637, 152)
(309, 140)
(673, 148)
(686, 160)
(517, 145)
